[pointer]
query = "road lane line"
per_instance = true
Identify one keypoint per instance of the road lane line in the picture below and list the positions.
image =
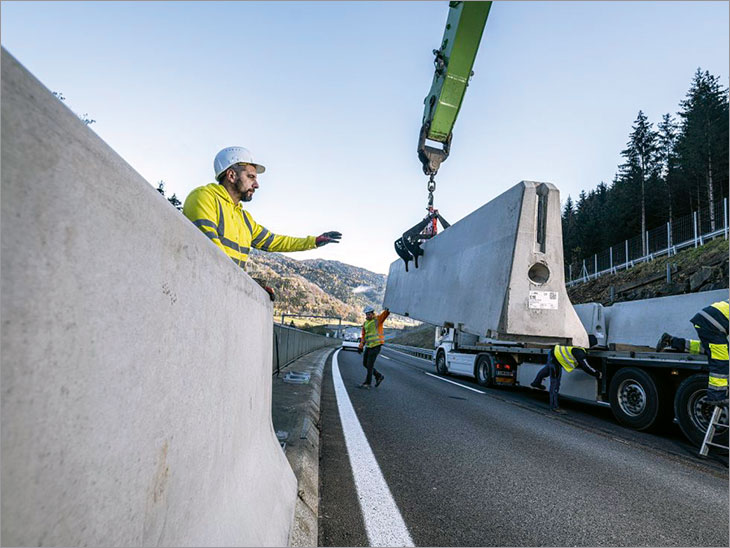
(452, 382)
(383, 522)
(409, 355)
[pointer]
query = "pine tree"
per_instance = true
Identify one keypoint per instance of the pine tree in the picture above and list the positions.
(641, 164)
(569, 233)
(174, 200)
(702, 144)
(668, 159)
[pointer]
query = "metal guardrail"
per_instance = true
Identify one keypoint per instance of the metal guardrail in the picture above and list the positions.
(424, 353)
(688, 231)
(291, 343)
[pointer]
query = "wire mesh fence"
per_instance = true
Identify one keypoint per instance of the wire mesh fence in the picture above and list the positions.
(690, 230)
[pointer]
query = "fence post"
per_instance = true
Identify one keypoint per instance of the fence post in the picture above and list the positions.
(724, 213)
(694, 222)
(669, 239)
(595, 265)
(610, 258)
(570, 272)
(584, 272)
(626, 256)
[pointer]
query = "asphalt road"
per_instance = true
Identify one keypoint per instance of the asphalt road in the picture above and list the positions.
(497, 468)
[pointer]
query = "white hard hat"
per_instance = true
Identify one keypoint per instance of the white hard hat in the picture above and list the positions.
(368, 309)
(234, 155)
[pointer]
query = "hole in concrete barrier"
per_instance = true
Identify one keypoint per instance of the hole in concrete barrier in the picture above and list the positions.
(538, 273)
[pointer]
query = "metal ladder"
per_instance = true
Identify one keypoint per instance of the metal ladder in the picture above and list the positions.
(714, 423)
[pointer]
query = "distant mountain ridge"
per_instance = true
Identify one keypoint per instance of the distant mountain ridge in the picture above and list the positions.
(320, 287)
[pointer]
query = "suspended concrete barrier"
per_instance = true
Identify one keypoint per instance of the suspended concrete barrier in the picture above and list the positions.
(498, 272)
(136, 356)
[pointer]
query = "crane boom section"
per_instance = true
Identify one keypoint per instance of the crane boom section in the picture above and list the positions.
(454, 62)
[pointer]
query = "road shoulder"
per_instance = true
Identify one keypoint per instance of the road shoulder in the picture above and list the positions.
(296, 411)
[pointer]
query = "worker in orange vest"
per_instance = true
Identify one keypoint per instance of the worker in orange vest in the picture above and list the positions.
(372, 338)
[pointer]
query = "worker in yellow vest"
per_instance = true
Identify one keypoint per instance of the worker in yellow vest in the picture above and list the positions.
(217, 210)
(372, 339)
(559, 358)
(711, 324)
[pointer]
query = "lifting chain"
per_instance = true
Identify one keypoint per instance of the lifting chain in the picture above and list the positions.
(431, 187)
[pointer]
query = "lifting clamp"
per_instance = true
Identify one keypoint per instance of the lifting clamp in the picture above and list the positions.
(408, 246)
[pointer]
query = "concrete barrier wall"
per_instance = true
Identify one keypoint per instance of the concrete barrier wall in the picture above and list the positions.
(498, 272)
(291, 343)
(641, 323)
(136, 357)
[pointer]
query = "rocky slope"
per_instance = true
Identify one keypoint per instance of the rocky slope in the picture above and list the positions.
(320, 287)
(694, 269)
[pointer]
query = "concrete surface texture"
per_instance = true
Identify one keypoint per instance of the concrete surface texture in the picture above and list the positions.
(641, 323)
(592, 317)
(295, 411)
(498, 272)
(136, 363)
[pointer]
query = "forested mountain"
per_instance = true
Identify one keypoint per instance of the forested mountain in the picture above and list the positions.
(321, 287)
(669, 171)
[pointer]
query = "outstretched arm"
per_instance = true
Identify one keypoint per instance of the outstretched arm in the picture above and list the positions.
(580, 357)
(262, 238)
(383, 315)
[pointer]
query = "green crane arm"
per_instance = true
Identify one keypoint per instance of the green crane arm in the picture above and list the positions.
(454, 61)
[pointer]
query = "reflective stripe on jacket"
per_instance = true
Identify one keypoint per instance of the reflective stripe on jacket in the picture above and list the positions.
(716, 315)
(232, 228)
(372, 330)
(564, 355)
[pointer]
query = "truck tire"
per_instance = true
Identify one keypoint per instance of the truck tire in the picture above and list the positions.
(441, 368)
(693, 414)
(635, 400)
(484, 370)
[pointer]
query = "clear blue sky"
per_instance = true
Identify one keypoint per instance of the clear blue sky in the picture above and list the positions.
(329, 96)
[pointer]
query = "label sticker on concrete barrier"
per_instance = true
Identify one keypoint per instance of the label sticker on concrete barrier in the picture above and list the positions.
(547, 300)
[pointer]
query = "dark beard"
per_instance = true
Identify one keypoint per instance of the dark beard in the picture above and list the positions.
(246, 197)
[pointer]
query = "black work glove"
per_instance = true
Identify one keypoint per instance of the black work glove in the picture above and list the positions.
(328, 238)
(359, 349)
(266, 288)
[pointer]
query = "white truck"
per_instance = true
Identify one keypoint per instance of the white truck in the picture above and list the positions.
(642, 387)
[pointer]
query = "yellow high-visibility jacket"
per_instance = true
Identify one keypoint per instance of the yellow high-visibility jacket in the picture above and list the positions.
(232, 228)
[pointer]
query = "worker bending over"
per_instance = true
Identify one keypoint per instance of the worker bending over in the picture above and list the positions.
(711, 324)
(372, 337)
(559, 358)
(216, 209)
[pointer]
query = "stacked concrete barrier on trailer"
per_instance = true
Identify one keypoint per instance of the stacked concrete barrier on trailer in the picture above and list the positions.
(496, 273)
(136, 356)
(641, 323)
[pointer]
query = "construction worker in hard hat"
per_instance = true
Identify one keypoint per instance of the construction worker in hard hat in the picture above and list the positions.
(711, 324)
(217, 210)
(372, 339)
(559, 358)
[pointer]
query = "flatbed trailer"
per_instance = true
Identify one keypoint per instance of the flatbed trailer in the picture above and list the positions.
(642, 387)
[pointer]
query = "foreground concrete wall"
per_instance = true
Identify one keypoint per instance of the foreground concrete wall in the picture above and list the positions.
(497, 272)
(641, 323)
(136, 357)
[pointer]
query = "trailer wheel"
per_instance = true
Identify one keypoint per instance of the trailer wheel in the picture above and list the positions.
(693, 413)
(441, 368)
(484, 370)
(634, 398)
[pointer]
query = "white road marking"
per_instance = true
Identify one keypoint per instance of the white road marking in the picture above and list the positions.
(410, 355)
(452, 382)
(383, 522)
(385, 357)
